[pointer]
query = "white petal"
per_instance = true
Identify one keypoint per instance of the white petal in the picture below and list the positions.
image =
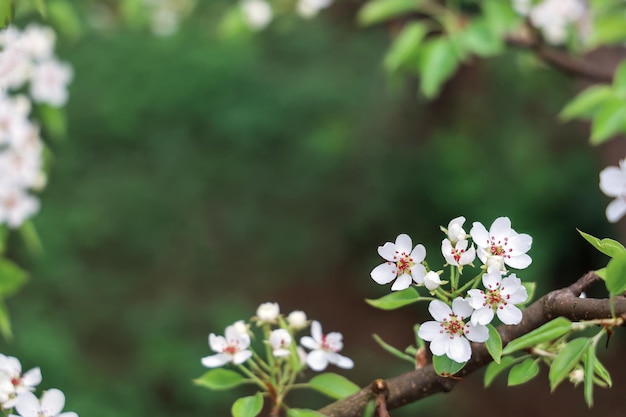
(483, 315)
(518, 262)
(612, 181)
(616, 210)
(439, 345)
(214, 361)
(509, 314)
(402, 283)
(468, 256)
(404, 244)
(477, 333)
(68, 414)
(241, 356)
(53, 401)
(419, 253)
(388, 251)
(417, 272)
(479, 235)
(308, 342)
(384, 273)
(32, 377)
(316, 331)
(446, 248)
(217, 343)
(513, 290)
(501, 227)
(432, 280)
(491, 280)
(429, 330)
(476, 298)
(459, 349)
(461, 308)
(340, 360)
(27, 405)
(439, 310)
(520, 243)
(317, 360)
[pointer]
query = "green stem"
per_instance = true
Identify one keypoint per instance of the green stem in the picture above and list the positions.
(252, 376)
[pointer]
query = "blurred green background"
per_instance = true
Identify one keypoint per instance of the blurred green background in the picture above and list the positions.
(202, 176)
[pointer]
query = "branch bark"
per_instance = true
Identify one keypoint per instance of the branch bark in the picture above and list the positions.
(420, 383)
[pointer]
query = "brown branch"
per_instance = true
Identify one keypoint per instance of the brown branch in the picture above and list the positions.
(420, 383)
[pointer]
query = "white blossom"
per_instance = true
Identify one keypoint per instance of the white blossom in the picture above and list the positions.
(13, 383)
(501, 245)
(49, 83)
(432, 280)
(50, 405)
(458, 254)
(613, 184)
(555, 17)
(402, 263)
(258, 13)
(310, 8)
(325, 349)
(231, 348)
(280, 341)
(449, 335)
(268, 312)
(297, 320)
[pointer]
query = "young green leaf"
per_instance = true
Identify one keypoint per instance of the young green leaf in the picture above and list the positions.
(549, 331)
(333, 385)
(12, 277)
(615, 278)
(248, 406)
(303, 412)
(531, 287)
(587, 102)
(220, 379)
(446, 366)
(396, 299)
(438, 61)
(405, 46)
(395, 352)
(608, 121)
(590, 364)
(602, 372)
(500, 16)
(566, 360)
(494, 344)
(478, 38)
(619, 79)
(607, 246)
(494, 369)
(377, 11)
(523, 372)
(5, 322)
(6, 13)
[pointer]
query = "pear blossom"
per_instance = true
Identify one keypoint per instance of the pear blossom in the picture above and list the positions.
(403, 264)
(16, 206)
(232, 348)
(500, 295)
(268, 312)
(458, 254)
(50, 405)
(49, 82)
(613, 184)
(297, 320)
(310, 8)
(455, 231)
(13, 382)
(553, 17)
(280, 341)
(501, 245)
(432, 280)
(258, 13)
(449, 334)
(324, 349)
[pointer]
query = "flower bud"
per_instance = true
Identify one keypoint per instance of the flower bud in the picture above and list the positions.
(297, 320)
(268, 312)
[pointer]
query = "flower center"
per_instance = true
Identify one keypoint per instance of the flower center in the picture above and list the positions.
(327, 345)
(454, 326)
(456, 254)
(494, 298)
(499, 247)
(404, 263)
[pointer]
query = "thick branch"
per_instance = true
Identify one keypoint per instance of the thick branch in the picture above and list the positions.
(419, 383)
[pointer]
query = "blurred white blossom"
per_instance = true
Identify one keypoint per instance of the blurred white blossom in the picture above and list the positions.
(555, 17)
(258, 13)
(310, 8)
(166, 15)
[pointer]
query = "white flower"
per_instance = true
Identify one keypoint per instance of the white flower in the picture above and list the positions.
(13, 382)
(49, 82)
(432, 280)
(280, 340)
(325, 348)
(297, 320)
(553, 17)
(310, 8)
(458, 254)
(501, 245)
(232, 348)
(455, 230)
(16, 206)
(500, 295)
(258, 13)
(268, 312)
(50, 405)
(613, 184)
(449, 334)
(402, 263)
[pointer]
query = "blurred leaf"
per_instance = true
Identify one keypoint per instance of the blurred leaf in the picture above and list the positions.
(53, 120)
(333, 385)
(615, 279)
(233, 24)
(438, 61)
(405, 46)
(445, 366)
(12, 278)
(370, 409)
(395, 352)
(608, 30)
(566, 360)
(4, 232)
(500, 16)
(494, 369)
(396, 299)
(549, 331)
(31, 239)
(494, 344)
(377, 11)
(220, 379)
(248, 406)
(65, 18)
(587, 102)
(6, 13)
(590, 364)
(608, 121)
(5, 322)
(523, 372)
(41, 7)
(303, 412)
(479, 39)
(619, 79)
(607, 246)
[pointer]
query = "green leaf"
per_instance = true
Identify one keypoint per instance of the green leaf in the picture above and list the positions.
(370, 409)
(619, 79)
(41, 7)
(303, 412)
(333, 385)
(531, 288)
(494, 344)
(590, 363)
(500, 16)
(377, 11)
(30, 237)
(494, 369)
(438, 61)
(4, 232)
(12, 278)
(395, 352)
(248, 406)
(608, 121)
(6, 13)
(587, 102)
(566, 360)
(615, 279)
(478, 39)
(446, 366)
(549, 331)
(607, 246)
(609, 30)
(523, 372)
(602, 372)
(396, 299)
(63, 13)
(220, 379)
(53, 120)
(405, 46)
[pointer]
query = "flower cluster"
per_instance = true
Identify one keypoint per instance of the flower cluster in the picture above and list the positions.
(259, 13)
(26, 60)
(462, 313)
(613, 184)
(554, 17)
(16, 392)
